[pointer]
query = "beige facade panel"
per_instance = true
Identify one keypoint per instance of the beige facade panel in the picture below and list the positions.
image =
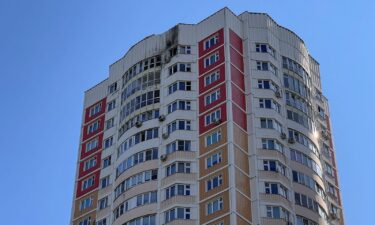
(243, 206)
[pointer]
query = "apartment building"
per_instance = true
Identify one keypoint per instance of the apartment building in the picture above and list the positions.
(216, 123)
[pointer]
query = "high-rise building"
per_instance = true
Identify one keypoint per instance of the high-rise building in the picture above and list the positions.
(221, 122)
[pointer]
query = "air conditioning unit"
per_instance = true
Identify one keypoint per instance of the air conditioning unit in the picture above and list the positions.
(165, 135)
(138, 123)
(278, 94)
(291, 141)
(216, 121)
(161, 118)
(283, 136)
(163, 157)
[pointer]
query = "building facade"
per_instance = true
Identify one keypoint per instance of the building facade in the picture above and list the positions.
(221, 122)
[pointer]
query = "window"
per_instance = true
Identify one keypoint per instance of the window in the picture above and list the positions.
(179, 86)
(112, 88)
(211, 77)
(89, 164)
(179, 125)
(213, 117)
(299, 118)
(177, 167)
(91, 144)
(214, 206)
(145, 116)
(137, 158)
(213, 138)
(102, 222)
(265, 48)
(266, 66)
(304, 221)
(296, 85)
(88, 183)
(179, 145)
(103, 203)
(106, 162)
(212, 97)
(104, 182)
(150, 79)
(210, 60)
(93, 127)
(213, 160)
(111, 105)
(307, 181)
(269, 104)
(275, 166)
(214, 182)
(329, 170)
(272, 144)
(211, 41)
(177, 213)
(179, 105)
(95, 109)
(137, 201)
(135, 180)
(139, 137)
(332, 189)
(85, 203)
(270, 124)
(145, 220)
(275, 189)
(179, 67)
(108, 142)
(306, 201)
(302, 139)
(85, 221)
(184, 49)
(109, 123)
(139, 102)
(267, 84)
(306, 161)
(177, 189)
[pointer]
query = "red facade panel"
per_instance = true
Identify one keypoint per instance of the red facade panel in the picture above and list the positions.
(86, 135)
(89, 118)
(238, 97)
(237, 77)
(203, 107)
(203, 51)
(239, 117)
(235, 41)
(95, 185)
(203, 88)
(203, 69)
(85, 154)
(82, 172)
(236, 59)
(223, 117)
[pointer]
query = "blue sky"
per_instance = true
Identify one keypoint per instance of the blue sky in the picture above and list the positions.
(52, 51)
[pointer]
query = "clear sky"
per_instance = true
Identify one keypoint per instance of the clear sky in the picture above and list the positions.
(52, 51)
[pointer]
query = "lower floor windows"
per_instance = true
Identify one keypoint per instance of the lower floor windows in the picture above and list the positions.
(215, 206)
(277, 212)
(213, 138)
(214, 182)
(177, 189)
(103, 203)
(178, 167)
(304, 221)
(144, 220)
(85, 221)
(85, 203)
(276, 189)
(177, 214)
